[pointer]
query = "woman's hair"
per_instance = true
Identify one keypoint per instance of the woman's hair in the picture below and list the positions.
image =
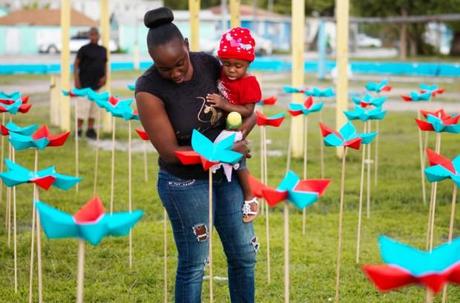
(161, 28)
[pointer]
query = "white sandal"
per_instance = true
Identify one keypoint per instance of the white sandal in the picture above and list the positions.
(248, 213)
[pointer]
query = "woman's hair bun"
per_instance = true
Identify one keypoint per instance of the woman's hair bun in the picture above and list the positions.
(157, 17)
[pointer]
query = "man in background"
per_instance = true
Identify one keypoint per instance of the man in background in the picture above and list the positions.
(90, 70)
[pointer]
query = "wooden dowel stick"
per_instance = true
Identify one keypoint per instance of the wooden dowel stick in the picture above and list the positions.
(146, 165)
(321, 144)
(361, 194)
(130, 200)
(165, 256)
(376, 165)
(286, 252)
(112, 182)
(369, 159)
(422, 163)
(267, 210)
(96, 162)
(81, 270)
(76, 144)
(451, 231)
(305, 159)
(211, 296)
(434, 194)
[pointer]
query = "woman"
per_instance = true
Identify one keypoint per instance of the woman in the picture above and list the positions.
(171, 99)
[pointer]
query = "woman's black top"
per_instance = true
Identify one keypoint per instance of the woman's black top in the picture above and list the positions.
(186, 106)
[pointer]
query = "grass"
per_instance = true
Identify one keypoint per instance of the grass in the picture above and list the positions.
(397, 211)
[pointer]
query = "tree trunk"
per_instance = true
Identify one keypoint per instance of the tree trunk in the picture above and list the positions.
(403, 37)
(455, 48)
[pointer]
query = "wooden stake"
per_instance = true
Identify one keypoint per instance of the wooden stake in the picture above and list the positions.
(211, 297)
(267, 211)
(451, 231)
(321, 146)
(96, 164)
(15, 231)
(286, 252)
(8, 205)
(369, 157)
(38, 234)
(376, 165)
(361, 194)
(165, 255)
(422, 162)
(339, 246)
(32, 236)
(2, 157)
(262, 165)
(112, 187)
(130, 200)
(429, 296)
(76, 143)
(433, 195)
(146, 166)
(81, 270)
(305, 159)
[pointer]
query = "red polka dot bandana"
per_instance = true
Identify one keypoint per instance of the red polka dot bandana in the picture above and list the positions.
(237, 43)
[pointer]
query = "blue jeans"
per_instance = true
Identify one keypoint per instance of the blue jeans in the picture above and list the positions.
(186, 202)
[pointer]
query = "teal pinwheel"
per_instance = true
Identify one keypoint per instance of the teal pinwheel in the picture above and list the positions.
(347, 136)
(368, 99)
(317, 92)
(306, 108)
(12, 127)
(378, 87)
(121, 108)
(415, 96)
(364, 114)
(90, 223)
(39, 140)
(442, 168)
(17, 174)
(439, 121)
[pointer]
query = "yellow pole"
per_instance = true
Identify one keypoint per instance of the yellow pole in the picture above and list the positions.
(342, 15)
(65, 64)
(235, 13)
(194, 10)
(297, 74)
(105, 37)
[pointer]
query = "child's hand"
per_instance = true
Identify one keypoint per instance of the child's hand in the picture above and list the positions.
(217, 101)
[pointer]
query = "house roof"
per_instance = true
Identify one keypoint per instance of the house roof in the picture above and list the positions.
(45, 17)
(248, 11)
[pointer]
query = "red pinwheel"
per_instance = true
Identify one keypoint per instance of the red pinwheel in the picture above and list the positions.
(54, 140)
(438, 120)
(268, 101)
(274, 120)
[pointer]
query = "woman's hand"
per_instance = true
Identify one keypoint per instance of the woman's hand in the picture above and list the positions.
(242, 147)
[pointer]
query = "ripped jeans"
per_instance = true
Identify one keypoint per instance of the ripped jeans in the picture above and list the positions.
(186, 202)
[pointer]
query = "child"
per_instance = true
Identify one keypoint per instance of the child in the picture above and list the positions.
(240, 91)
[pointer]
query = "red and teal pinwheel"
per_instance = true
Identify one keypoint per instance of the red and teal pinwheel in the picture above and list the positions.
(406, 265)
(207, 153)
(268, 101)
(121, 108)
(347, 136)
(301, 193)
(14, 106)
(317, 92)
(364, 114)
(90, 223)
(142, 134)
(378, 87)
(39, 140)
(293, 90)
(45, 178)
(10, 96)
(417, 96)
(442, 168)
(439, 121)
(77, 92)
(11, 127)
(434, 90)
(274, 120)
(368, 99)
(306, 108)
(99, 98)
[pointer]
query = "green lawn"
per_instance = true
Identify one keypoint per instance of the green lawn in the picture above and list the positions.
(397, 211)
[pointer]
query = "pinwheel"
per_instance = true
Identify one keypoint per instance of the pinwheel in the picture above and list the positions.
(318, 92)
(415, 96)
(306, 108)
(293, 90)
(378, 87)
(131, 87)
(441, 168)
(90, 224)
(368, 100)
(363, 114)
(348, 138)
(321, 93)
(439, 121)
(210, 155)
(14, 128)
(264, 121)
(10, 96)
(121, 108)
(45, 178)
(406, 265)
(38, 140)
(144, 137)
(301, 193)
(268, 101)
(433, 89)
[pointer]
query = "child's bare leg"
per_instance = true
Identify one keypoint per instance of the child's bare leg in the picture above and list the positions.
(251, 206)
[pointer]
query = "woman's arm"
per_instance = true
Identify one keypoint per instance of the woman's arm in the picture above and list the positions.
(157, 125)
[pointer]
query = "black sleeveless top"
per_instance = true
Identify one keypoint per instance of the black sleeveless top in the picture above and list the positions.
(185, 104)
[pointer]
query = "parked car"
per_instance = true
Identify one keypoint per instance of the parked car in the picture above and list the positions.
(76, 42)
(364, 40)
